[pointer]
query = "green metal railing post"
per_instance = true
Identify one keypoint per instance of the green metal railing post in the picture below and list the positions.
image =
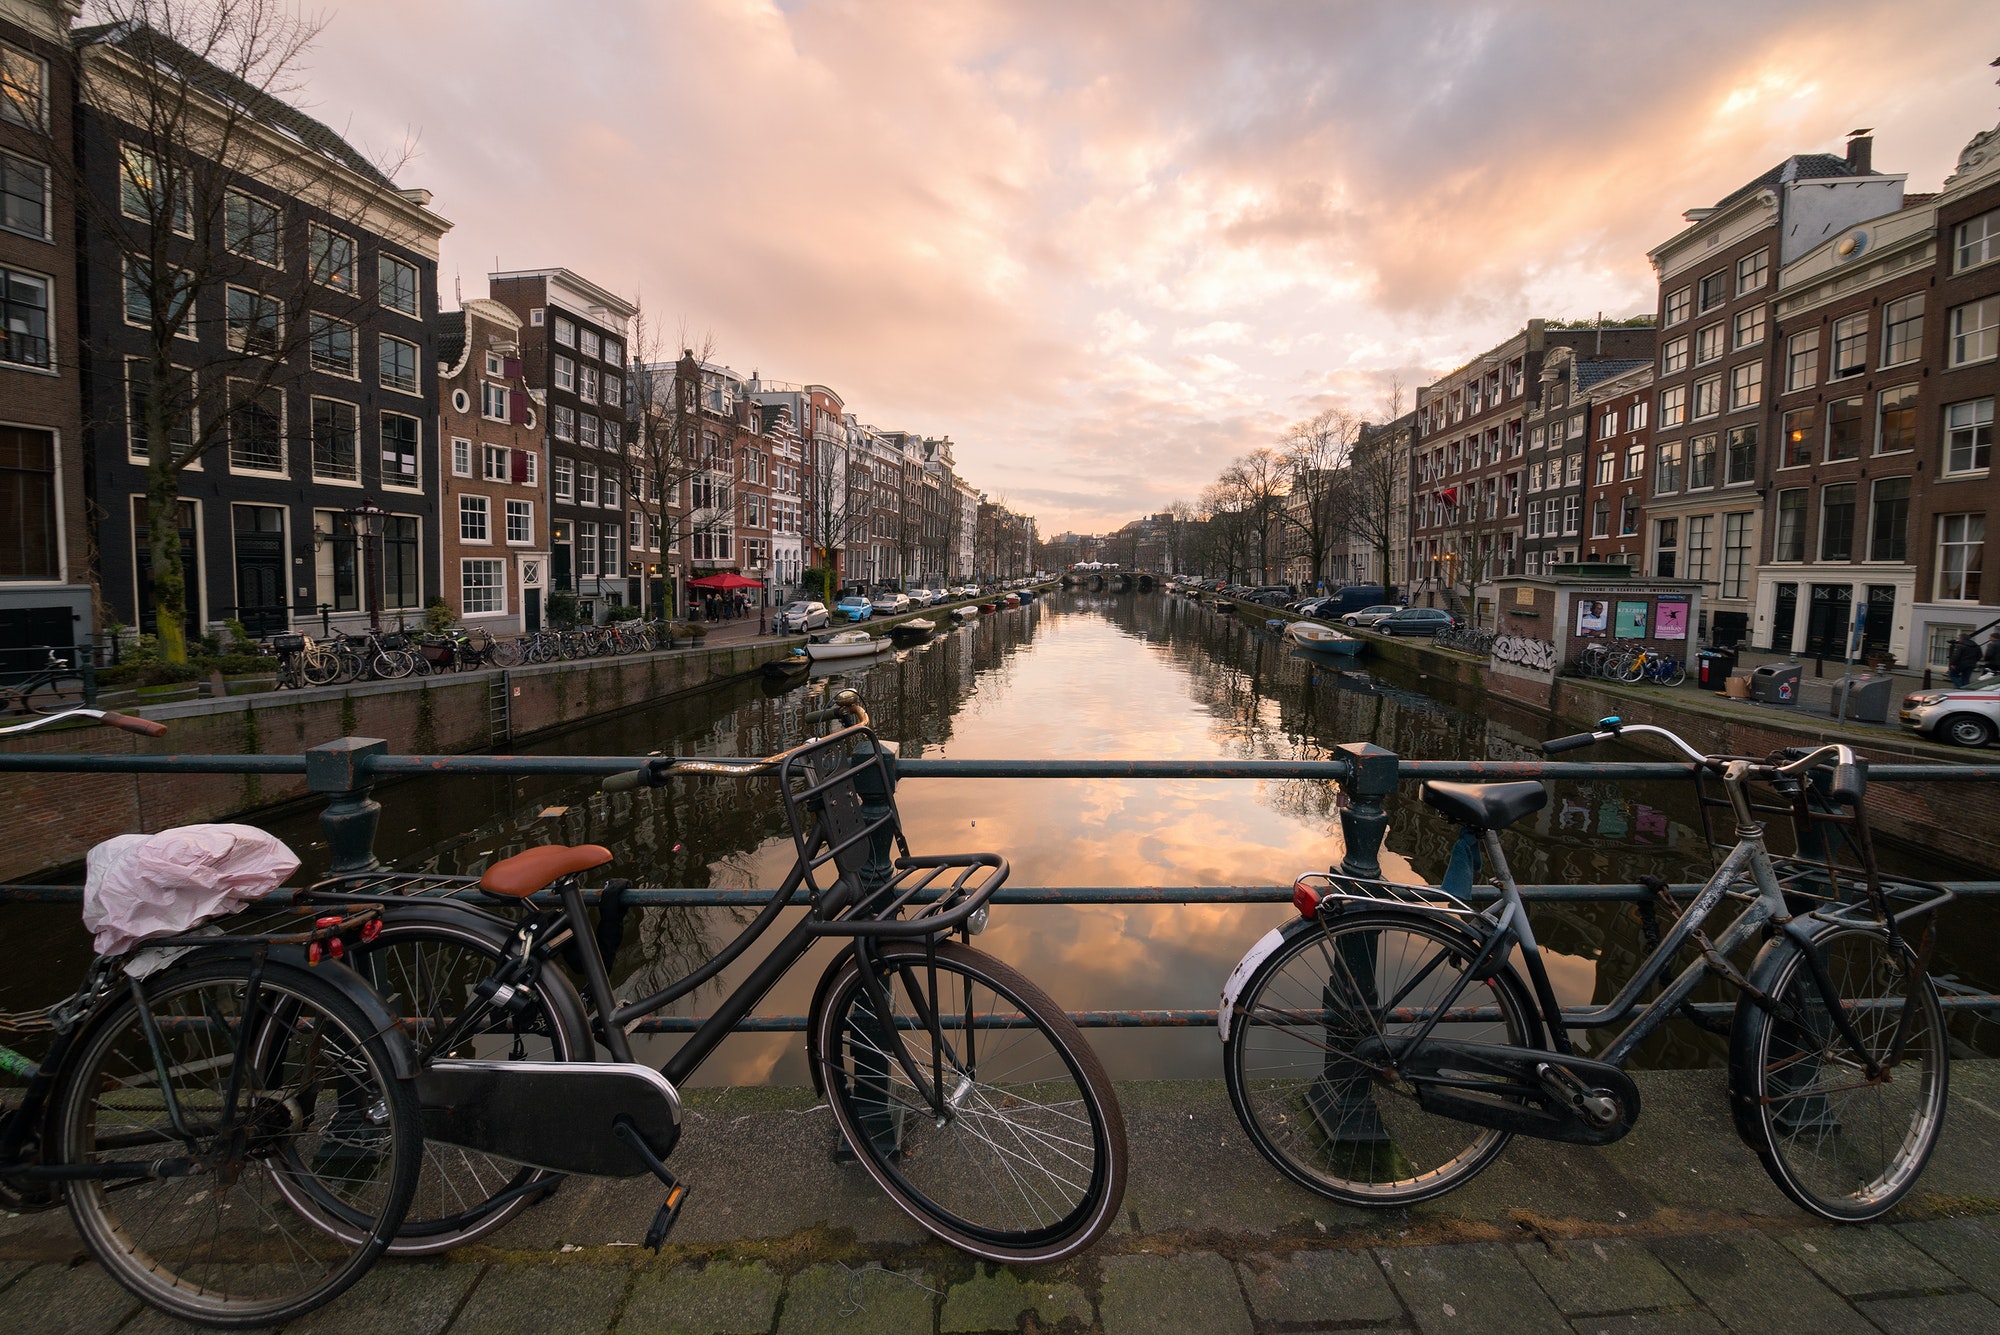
(1371, 776)
(340, 770)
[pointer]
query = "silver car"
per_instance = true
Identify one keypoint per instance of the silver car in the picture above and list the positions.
(797, 618)
(1969, 717)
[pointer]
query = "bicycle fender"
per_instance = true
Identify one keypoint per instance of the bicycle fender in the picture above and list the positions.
(381, 1020)
(1239, 977)
(833, 967)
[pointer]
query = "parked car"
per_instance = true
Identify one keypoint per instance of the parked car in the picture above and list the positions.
(1415, 621)
(800, 617)
(1355, 597)
(1970, 717)
(1371, 616)
(892, 604)
(921, 597)
(854, 607)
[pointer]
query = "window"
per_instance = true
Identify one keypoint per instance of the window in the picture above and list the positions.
(1572, 514)
(180, 436)
(1678, 305)
(565, 373)
(1889, 526)
(250, 227)
(1735, 554)
(635, 531)
(482, 586)
(256, 429)
(590, 345)
(610, 485)
(614, 352)
(586, 384)
(396, 284)
(565, 421)
(399, 364)
(1791, 542)
(1845, 427)
(142, 189)
(565, 331)
(1746, 386)
(520, 522)
(614, 388)
(400, 438)
(1896, 420)
(1752, 272)
(611, 434)
(1801, 434)
(586, 484)
(401, 574)
(461, 457)
(256, 321)
(1673, 407)
(492, 401)
(336, 441)
(1635, 460)
(1667, 470)
(530, 474)
(1968, 436)
(493, 463)
(613, 560)
(563, 479)
(1697, 546)
(1535, 476)
(24, 197)
(1713, 290)
(1850, 347)
(1750, 327)
(586, 433)
(474, 519)
(1708, 397)
(331, 256)
(1628, 517)
(24, 85)
(1961, 539)
(1607, 467)
(24, 319)
(1976, 241)
(1600, 520)
(1636, 416)
(332, 345)
(1666, 546)
(1836, 522)
(1701, 462)
(28, 546)
(1708, 344)
(1902, 330)
(586, 549)
(1974, 332)
(1802, 360)
(1740, 455)
(1674, 355)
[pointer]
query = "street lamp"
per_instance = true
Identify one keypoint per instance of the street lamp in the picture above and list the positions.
(368, 518)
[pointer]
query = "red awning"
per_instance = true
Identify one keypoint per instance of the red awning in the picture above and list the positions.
(728, 579)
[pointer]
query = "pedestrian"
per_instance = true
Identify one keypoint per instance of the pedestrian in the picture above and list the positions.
(1960, 658)
(1990, 660)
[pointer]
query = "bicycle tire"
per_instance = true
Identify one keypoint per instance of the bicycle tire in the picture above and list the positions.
(1803, 1102)
(319, 667)
(1309, 1102)
(424, 965)
(900, 1141)
(329, 1114)
(55, 693)
(504, 653)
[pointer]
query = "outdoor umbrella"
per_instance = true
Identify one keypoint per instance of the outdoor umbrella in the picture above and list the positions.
(726, 581)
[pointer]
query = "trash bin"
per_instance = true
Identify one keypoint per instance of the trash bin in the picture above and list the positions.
(1868, 696)
(1775, 684)
(1713, 666)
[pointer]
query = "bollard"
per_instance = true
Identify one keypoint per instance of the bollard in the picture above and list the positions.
(1371, 776)
(339, 769)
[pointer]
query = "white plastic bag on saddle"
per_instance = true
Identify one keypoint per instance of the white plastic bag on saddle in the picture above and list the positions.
(141, 885)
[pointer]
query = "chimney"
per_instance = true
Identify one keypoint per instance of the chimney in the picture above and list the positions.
(1860, 154)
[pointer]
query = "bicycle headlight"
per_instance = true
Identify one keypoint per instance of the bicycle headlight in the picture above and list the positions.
(975, 922)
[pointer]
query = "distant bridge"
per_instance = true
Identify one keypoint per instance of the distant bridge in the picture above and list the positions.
(1112, 581)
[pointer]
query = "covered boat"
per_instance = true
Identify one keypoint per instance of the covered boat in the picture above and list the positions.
(965, 613)
(913, 632)
(791, 665)
(847, 644)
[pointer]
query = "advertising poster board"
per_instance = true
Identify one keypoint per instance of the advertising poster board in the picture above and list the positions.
(1670, 618)
(1631, 622)
(1593, 615)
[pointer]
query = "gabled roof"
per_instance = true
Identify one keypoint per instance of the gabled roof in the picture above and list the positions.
(1798, 167)
(1591, 372)
(450, 335)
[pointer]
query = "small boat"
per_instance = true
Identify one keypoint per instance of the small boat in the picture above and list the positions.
(1012, 600)
(847, 644)
(985, 608)
(791, 665)
(1323, 639)
(965, 613)
(913, 632)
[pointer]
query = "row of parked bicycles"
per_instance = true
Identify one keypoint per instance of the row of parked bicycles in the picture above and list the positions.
(372, 656)
(1630, 663)
(1465, 638)
(241, 1123)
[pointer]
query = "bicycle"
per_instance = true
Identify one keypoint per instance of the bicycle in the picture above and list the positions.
(197, 1083)
(1382, 1048)
(56, 685)
(957, 1084)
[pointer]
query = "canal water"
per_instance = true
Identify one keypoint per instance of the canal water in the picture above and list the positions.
(1073, 675)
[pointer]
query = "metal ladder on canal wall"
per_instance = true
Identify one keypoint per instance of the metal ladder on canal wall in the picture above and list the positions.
(499, 714)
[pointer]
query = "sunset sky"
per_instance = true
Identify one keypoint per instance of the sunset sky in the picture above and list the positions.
(1105, 247)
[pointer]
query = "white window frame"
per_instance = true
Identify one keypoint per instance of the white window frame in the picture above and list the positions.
(565, 373)
(1913, 342)
(326, 479)
(562, 480)
(563, 421)
(1850, 332)
(475, 519)
(228, 430)
(262, 302)
(415, 385)
(495, 566)
(1802, 355)
(461, 457)
(1753, 272)
(1976, 423)
(1963, 593)
(525, 512)
(565, 331)
(1976, 241)
(1749, 328)
(1678, 306)
(1967, 344)
(278, 229)
(415, 309)
(416, 483)
(1746, 386)
(327, 279)
(48, 198)
(491, 395)
(494, 465)
(353, 371)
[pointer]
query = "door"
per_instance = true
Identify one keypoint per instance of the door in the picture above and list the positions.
(1829, 620)
(260, 568)
(1784, 616)
(531, 610)
(560, 577)
(1881, 620)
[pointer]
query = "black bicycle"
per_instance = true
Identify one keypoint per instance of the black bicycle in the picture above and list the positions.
(956, 1083)
(55, 686)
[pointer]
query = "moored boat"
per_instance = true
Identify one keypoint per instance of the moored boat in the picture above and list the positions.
(1012, 600)
(988, 607)
(913, 632)
(1323, 639)
(967, 613)
(791, 665)
(847, 644)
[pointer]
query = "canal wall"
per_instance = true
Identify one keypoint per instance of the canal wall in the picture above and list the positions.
(52, 820)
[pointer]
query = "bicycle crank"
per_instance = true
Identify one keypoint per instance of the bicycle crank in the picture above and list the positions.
(1530, 1091)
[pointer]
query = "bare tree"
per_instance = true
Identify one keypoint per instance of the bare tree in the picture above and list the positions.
(1257, 483)
(1373, 486)
(1316, 452)
(1229, 528)
(665, 454)
(832, 519)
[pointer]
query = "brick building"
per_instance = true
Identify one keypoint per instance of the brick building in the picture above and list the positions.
(494, 540)
(1614, 494)
(1561, 425)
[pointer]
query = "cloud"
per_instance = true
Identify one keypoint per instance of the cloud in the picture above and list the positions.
(1037, 227)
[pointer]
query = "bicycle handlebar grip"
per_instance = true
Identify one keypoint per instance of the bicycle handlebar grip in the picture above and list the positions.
(1570, 743)
(814, 717)
(626, 782)
(145, 727)
(1849, 782)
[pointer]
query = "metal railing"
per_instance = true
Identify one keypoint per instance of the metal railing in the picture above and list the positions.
(344, 772)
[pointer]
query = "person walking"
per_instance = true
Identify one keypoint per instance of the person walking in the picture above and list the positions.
(1960, 658)
(1990, 660)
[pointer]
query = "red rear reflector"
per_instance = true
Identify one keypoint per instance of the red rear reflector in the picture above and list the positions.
(1305, 899)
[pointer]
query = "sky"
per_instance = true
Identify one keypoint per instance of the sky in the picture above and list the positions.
(1107, 247)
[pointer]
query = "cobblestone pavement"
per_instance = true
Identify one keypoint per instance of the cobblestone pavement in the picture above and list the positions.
(1674, 1230)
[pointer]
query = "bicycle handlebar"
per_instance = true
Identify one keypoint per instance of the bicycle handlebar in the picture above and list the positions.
(145, 727)
(846, 707)
(1850, 775)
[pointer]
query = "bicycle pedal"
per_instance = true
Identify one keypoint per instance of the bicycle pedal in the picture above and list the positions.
(667, 1216)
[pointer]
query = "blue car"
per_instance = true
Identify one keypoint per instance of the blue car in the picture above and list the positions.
(855, 608)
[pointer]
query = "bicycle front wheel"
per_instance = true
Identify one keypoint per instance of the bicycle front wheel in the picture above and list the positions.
(1843, 1140)
(504, 653)
(317, 1108)
(1307, 1058)
(59, 692)
(1022, 1156)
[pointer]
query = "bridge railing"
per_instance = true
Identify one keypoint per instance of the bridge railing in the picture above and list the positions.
(344, 773)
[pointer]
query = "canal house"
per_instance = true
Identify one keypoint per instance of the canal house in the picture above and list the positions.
(494, 537)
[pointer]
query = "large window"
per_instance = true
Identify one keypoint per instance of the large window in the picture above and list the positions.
(1735, 555)
(1850, 347)
(180, 435)
(256, 429)
(1836, 522)
(493, 401)
(333, 345)
(493, 463)
(24, 319)
(1976, 241)
(1968, 436)
(143, 190)
(256, 321)
(1846, 425)
(586, 549)
(586, 384)
(586, 484)
(1961, 544)
(565, 332)
(1750, 327)
(24, 84)
(1791, 537)
(1674, 355)
(1802, 360)
(399, 365)
(1896, 420)
(1714, 290)
(1666, 547)
(562, 479)
(565, 372)
(24, 197)
(331, 257)
(1697, 546)
(1974, 332)
(520, 522)
(475, 519)
(1801, 435)
(1701, 462)
(402, 583)
(1679, 303)
(396, 284)
(28, 546)
(1740, 455)
(1709, 344)
(1889, 522)
(401, 437)
(336, 443)
(1707, 397)
(250, 227)
(482, 586)
(563, 419)
(1673, 407)
(1902, 330)
(1752, 272)
(1746, 386)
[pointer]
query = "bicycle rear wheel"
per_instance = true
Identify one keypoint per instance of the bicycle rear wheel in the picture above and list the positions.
(1305, 1057)
(319, 1110)
(1027, 1164)
(504, 653)
(1842, 1143)
(62, 691)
